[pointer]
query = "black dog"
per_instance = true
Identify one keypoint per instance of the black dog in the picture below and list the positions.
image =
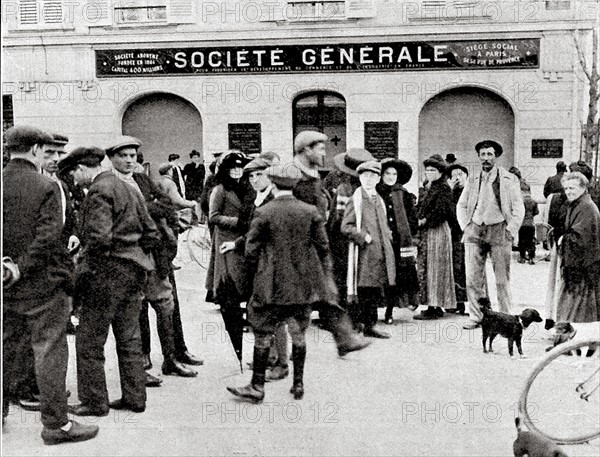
(533, 444)
(508, 326)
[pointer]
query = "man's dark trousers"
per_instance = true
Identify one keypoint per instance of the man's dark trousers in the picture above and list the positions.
(112, 297)
(45, 326)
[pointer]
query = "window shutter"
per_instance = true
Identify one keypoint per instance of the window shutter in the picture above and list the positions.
(98, 13)
(29, 13)
(41, 14)
(52, 12)
(181, 11)
(359, 8)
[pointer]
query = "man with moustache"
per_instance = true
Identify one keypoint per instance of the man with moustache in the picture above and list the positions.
(490, 212)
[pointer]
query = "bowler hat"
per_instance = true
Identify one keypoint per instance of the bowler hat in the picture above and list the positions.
(371, 165)
(284, 175)
(121, 143)
(256, 164)
(436, 161)
(25, 136)
(349, 161)
(456, 166)
(307, 138)
(403, 168)
(91, 157)
(490, 144)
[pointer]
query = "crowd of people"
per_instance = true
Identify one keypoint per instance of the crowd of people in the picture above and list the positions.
(284, 242)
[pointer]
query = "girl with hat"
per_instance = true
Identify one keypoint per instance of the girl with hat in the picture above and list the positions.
(371, 263)
(435, 214)
(402, 221)
(229, 284)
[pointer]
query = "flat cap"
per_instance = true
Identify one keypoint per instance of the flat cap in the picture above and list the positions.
(123, 142)
(370, 165)
(25, 136)
(59, 139)
(91, 157)
(284, 175)
(256, 164)
(308, 138)
(164, 168)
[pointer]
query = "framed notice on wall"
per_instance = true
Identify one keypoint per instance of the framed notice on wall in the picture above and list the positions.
(381, 139)
(245, 137)
(547, 149)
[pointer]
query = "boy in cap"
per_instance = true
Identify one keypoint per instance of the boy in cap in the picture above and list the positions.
(371, 265)
(35, 306)
(288, 253)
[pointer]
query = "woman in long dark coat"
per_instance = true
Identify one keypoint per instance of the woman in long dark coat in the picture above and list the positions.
(579, 255)
(229, 280)
(402, 221)
(435, 215)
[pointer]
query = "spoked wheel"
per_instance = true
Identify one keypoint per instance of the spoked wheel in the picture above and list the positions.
(199, 244)
(561, 398)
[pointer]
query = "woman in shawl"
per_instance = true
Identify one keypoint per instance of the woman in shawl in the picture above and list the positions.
(435, 215)
(579, 255)
(402, 221)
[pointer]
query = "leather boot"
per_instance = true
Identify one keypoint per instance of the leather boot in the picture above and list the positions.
(147, 362)
(171, 366)
(255, 391)
(298, 359)
(346, 339)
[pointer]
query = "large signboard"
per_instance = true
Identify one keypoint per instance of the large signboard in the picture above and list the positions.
(357, 57)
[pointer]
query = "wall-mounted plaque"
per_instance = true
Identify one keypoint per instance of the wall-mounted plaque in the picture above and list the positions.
(381, 139)
(547, 149)
(245, 137)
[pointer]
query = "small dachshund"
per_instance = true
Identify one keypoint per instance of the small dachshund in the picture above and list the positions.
(508, 326)
(534, 445)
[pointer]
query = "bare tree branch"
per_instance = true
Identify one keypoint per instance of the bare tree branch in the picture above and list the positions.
(581, 56)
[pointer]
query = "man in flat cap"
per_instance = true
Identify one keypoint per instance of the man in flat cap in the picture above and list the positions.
(35, 307)
(159, 289)
(117, 235)
(288, 254)
(309, 156)
(490, 211)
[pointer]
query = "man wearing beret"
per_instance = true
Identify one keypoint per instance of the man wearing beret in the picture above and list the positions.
(35, 306)
(159, 289)
(490, 211)
(288, 254)
(309, 156)
(117, 235)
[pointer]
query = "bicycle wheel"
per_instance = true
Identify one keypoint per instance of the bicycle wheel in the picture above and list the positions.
(561, 397)
(199, 245)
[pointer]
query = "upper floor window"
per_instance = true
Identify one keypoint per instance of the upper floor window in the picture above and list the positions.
(310, 10)
(141, 12)
(41, 14)
(558, 5)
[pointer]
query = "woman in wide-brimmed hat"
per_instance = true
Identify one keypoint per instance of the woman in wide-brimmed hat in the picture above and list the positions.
(402, 221)
(435, 215)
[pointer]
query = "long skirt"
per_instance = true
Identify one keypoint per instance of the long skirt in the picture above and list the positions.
(580, 302)
(440, 274)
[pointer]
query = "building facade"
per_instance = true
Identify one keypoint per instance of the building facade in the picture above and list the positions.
(401, 78)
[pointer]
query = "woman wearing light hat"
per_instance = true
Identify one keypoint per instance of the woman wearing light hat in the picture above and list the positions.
(435, 215)
(403, 223)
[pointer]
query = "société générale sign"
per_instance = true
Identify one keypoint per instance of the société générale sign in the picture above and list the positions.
(355, 57)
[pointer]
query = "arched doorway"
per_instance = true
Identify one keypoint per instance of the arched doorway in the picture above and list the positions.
(324, 112)
(454, 121)
(165, 124)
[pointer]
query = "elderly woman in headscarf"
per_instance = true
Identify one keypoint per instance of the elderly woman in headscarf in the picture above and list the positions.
(435, 215)
(229, 281)
(402, 221)
(579, 255)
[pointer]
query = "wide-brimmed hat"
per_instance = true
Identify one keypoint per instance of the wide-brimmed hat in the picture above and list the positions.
(436, 161)
(456, 166)
(347, 162)
(489, 144)
(403, 168)
(371, 165)
(231, 160)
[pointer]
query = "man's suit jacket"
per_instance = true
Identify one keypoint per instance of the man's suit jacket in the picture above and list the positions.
(511, 200)
(115, 223)
(553, 184)
(32, 217)
(288, 247)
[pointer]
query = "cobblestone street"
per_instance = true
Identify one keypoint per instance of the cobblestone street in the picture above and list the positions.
(429, 391)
